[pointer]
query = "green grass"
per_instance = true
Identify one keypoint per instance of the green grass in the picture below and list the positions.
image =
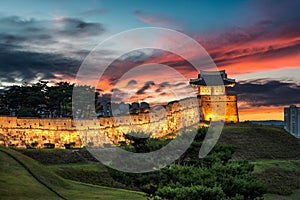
(290, 165)
(93, 173)
(294, 196)
(17, 183)
(275, 153)
(282, 178)
(53, 156)
(255, 142)
(79, 166)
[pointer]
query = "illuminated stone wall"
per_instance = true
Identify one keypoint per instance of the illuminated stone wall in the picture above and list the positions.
(219, 102)
(159, 122)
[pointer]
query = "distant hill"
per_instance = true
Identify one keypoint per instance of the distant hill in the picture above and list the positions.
(268, 122)
(260, 142)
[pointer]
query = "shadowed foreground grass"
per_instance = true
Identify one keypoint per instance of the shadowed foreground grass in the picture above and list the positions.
(294, 196)
(16, 182)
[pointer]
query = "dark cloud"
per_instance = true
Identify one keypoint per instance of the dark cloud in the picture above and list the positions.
(147, 85)
(161, 86)
(136, 56)
(19, 66)
(119, 95)
(164, 84)
(25, 48)
(132, 82)
(75, 27)
(264, 92)
(150, 83)
(16, 29)
(115, 90)
(105, 97)
(180, 84)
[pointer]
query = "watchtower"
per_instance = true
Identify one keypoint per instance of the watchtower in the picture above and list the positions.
(215, 93)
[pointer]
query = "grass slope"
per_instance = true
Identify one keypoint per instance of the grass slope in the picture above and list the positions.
(294, 196)
(17, 181)
(275, 153)
(260, 142)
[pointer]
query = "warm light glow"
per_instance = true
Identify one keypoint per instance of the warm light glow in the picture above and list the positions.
(261, 113)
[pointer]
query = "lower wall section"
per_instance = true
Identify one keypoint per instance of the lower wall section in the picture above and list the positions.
(38, 138)
(219, 107)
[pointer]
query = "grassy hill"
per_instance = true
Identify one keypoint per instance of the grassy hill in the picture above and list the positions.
(274, 151)
(23, 178)
(255, 142)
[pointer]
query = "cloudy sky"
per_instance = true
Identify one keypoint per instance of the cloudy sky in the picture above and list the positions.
(256, 42)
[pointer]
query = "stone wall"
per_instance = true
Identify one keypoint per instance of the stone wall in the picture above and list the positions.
(219, 101)
(159, 122)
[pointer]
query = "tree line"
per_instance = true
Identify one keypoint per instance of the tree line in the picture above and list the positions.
(40, 100)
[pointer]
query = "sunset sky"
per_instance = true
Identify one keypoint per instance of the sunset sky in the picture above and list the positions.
(256, 42)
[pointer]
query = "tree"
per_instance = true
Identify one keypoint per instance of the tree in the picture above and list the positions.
(27, 112)
(41, 100)
(3, 105)
(59, 99)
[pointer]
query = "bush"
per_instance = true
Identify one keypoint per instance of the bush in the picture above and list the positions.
(214, 177)
(49, 145)
(69, 145)
(192, 193)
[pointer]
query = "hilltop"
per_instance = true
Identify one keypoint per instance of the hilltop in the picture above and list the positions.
(255, 142)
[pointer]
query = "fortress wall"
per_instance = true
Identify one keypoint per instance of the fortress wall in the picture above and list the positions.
(6, 121)
(23, 138)
(159, 122)
(44, 123)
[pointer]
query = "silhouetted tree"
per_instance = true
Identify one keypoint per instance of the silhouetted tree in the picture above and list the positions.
(41, 100)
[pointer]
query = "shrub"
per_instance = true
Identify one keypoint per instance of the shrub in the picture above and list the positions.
(214, 177)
